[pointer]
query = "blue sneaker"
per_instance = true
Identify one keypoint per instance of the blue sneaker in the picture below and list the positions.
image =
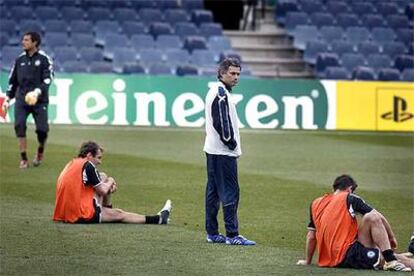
(239, 240)
(216, 238)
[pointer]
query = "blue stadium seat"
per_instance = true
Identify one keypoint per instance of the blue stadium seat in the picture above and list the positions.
(103, 27)
(210, 29)
(393, 48)
(160, 69)
(74, 67)
(211, 72)
(124, 14)
(149, 15)
(141, 4)
(21, 13)
(283, 7)
(177, 56)
(90, 54)
(351, 61)
(311, 7)
(325, 60)
(81, 26)
(46, 13)
(320, 19)
(8, 26)
(330, 33)
(142, 41)
(382, 35)
(201, 16)
(341, 47)
(184, 29)
(4, 39)
(131, 28)
(192, 4)
(56, 40)
(396, 21)
(9, 55)
(368, 47)
(150, 56)
(405, 35)
(294, 19)
(80, 40)
(357, 34)
(363, 73)
(373, 21)
(133, 68)
(303, 34)
(220, 43)
(160, 28)
(388, 74)
(166, 4)
(98, 13)
(346, 20)
(204, 58)
(387, 8)
(192, 43)
(173, 16)
(313, 48)
(362, 8)
(72, 13)
(55, 25)
(186, 70)
(169, 42)
(336, 73)
(100, 67)
(30, 26)
(403, 62)
(4, 14)
(409, 10)
(113, 40)
(229, 54)
(336, 7)
(64, 54)
(378, 61)
(407, 75)
(121, 56)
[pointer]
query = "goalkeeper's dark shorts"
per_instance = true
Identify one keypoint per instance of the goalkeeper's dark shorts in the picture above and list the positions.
(96, 215)
(361, 257)
(22, 112)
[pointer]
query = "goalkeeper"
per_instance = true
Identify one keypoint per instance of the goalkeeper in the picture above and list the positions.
(29, 81)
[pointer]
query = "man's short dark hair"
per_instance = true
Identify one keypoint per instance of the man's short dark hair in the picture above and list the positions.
(89, 147)
(225, 65)
(343, 182)
(35, 37)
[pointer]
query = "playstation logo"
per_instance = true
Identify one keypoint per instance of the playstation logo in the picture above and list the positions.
(398, 114)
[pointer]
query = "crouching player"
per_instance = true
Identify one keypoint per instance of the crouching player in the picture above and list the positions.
(334, 230)
(83, 195)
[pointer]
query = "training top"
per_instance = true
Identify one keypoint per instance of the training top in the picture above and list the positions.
(29, 73)
(222, 129)
(333, 217)
(74, 197)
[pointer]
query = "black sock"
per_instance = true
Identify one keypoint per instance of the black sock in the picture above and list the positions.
(23, 155)
(152, 219)
(40, 149)
(389, 255)
(232, 235)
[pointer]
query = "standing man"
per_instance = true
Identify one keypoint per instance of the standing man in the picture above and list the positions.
(341, 242)
(83, 195)
(29, 81)
(222, 147)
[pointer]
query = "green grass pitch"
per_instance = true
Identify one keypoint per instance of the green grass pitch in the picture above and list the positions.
(280, 172)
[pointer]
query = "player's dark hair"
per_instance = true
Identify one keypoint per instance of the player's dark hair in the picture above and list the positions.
(225, 65)
(35, 37)
(89, 147)
(344, 181)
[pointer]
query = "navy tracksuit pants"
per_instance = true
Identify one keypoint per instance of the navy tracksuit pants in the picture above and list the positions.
(222, 187)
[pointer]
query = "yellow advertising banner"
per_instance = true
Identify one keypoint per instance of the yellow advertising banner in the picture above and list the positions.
(382, 106)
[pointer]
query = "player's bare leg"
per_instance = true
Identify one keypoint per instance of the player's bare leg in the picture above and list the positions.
(23, 151)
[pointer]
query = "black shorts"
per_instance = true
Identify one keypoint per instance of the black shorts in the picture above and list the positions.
(96, 215)
(22, 111)
(361, 257)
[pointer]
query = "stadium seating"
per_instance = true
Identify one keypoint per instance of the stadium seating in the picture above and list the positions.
(177, 56)
(407, 75)
(100, 67)
(74, 67)
(363, 73)
(133, 68)
(55, 25)
(90, 54)
(169, 42)
(336, 73)
(160, 69)
(186, 70)
(388, 74)
(131, 28)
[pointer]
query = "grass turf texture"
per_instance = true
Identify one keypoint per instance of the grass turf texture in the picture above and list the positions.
(279, 173)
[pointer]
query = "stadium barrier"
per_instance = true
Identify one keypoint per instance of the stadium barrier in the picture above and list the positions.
(167, 101)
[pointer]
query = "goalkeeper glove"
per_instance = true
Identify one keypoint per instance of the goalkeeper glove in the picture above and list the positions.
(31, 97)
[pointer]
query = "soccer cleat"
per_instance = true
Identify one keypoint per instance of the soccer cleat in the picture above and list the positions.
(38, 159)
(239, 240)
(165, 213)
(396, 266)
(24, 164)
(219, 238)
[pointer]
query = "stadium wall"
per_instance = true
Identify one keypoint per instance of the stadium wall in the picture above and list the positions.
(262, 104)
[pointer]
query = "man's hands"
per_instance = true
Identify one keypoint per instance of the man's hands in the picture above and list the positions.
(32, 96)
(393, 243)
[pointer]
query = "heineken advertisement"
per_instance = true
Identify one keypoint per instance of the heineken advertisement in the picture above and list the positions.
(179, 102)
